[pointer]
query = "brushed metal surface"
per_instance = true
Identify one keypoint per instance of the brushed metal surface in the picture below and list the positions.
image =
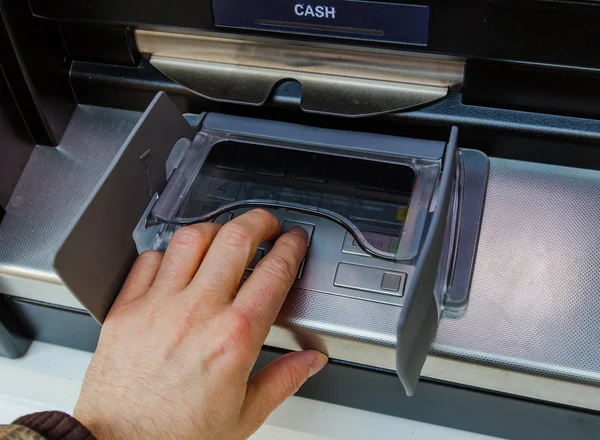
(532, 326)
(535, 296)
(345, 328)
(335, 80)
(53, 187)
(325, 59)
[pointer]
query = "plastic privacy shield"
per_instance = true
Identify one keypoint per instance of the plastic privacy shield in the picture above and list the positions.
(379, 188)
(96, 254)
(424, 296)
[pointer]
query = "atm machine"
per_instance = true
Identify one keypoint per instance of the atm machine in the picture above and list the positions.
(443, 157)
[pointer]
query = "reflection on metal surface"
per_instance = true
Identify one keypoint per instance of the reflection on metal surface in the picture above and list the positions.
(334, 80)
(534, 311)
(344, 328)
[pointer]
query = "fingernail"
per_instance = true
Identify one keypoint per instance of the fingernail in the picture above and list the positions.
(317, 364)
(297, 230)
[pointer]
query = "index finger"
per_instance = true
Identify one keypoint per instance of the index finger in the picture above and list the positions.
(263, 294)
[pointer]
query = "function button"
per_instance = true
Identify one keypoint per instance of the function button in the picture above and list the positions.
(351, 246)
(287, 225)
(223, 189)
(313, 169)
(274, 165)
(391, 282)
(233, 164)
(301, 197)
(339, 204)
(271, 172)
(252, 191)
(311, 179)
(374, 212)
(369, 279)
(257, 257)
(382, 242)
(229, 156)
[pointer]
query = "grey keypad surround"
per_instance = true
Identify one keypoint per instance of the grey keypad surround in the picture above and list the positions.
(319, 269)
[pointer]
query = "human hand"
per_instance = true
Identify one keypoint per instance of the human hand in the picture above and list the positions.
(177, 348)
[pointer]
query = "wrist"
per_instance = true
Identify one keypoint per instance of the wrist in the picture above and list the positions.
(55, 425)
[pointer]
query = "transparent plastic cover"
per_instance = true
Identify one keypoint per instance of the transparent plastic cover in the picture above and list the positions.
(371, 199)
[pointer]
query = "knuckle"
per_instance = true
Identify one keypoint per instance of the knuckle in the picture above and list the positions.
(290, 381)
(241, 323)
(278, 267)
(149, 257)
(293, 242)
(239, 333)
(187, 236)
(263, 214)
(236, 234)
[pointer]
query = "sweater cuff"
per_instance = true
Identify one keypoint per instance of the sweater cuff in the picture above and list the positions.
(55, 425)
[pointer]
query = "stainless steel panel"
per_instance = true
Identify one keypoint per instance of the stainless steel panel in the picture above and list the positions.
(346, 328)
(53, 187)
(534, 309)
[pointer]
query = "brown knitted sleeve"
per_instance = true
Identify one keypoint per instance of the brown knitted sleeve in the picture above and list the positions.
(52, 425)
(17, 432)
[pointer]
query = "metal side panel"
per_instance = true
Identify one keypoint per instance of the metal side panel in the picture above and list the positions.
(532, 326)
(98, 249)
(53, 187)
(421, 311)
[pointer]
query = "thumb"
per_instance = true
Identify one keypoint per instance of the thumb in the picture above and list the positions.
(277, 381)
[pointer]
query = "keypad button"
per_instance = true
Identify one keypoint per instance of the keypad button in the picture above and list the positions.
(259, 254)
(287, 225)
(223, 189)
(223, 218)
(301, 269)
